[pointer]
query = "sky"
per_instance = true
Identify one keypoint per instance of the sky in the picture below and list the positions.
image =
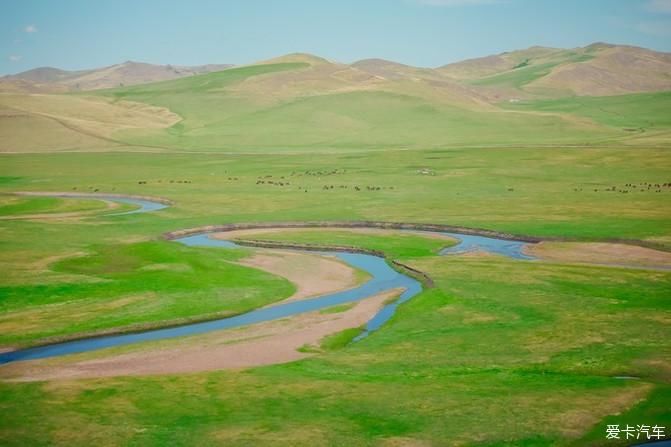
(79, 34)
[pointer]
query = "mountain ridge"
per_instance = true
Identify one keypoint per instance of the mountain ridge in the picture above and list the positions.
(52, 79)
(597, 69)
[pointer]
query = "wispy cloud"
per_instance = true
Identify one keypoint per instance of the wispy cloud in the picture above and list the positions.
(453, 3)
(658, 28)
(14, 58)
(30, 29)
(663, 6)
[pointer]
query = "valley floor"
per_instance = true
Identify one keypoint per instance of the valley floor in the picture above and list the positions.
(499, 352)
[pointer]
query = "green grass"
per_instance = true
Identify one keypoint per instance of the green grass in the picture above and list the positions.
(297, 107)
(339, 340)
(293, 107)
(399, 246)
(528, 191)
(517, 78)
(134, 285)
(348, 121)
(233, 110)
(202, 83)
(498, 344)
(337, 309)
(500, 352)
(647, 111)
(530, 70)
(525, 191)
(654, 410)
(527, 350)
(18, 206)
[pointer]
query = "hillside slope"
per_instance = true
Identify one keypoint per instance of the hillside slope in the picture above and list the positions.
(301, 102)
(49, 79)
(595, 70)
(31, 123)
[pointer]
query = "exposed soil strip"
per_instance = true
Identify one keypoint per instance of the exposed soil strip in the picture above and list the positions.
(311, 274)
(256, 345)
(601, 253)
(427, 227)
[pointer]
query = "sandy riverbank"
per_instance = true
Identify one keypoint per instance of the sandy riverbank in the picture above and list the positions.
(256, 345)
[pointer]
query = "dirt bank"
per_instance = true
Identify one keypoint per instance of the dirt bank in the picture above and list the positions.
(602, 253)
(261, 344)
(312, 274)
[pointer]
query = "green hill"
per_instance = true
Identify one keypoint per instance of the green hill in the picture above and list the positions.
(320, 105)
(598, 69)
(300, 102)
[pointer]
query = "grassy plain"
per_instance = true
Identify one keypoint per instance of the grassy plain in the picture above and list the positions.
(121, 287)
(558, 191)
(500, 352)
(17, 206)
(525, 191)
(399, 246)
(642, 112)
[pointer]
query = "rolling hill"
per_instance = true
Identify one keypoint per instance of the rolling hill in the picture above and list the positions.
(599, 69)
(49, 79)
(302, 102)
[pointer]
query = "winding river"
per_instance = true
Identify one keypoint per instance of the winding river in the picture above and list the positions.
(143, 205)
(383, 278)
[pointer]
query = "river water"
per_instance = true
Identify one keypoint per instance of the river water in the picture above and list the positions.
(383, 278)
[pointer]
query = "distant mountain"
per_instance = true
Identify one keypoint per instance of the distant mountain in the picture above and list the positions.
(612, 71)
(44, 75)
(306, 58)
(302, 101)
(49, 79)
(393, 70)
(481, 67)
(320, 76)
(599, 69)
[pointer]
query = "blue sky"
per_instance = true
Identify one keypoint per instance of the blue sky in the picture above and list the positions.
(76, 34)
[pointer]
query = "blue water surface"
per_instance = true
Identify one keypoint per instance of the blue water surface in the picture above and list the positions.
(383, 278)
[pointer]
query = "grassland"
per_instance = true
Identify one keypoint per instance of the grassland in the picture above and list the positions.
(525, 72)
(306, 106)
(527, 350)
(400, 246)
(17, 206)
(500, 352)
(527, 191)
(134, 285)
(546, 193)
(643, 111)
(227, 111)
(48, 123)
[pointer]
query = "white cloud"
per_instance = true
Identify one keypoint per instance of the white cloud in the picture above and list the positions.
(660, 28)
(663, 6)
(30, 29)
(459, 2)
(14, 58)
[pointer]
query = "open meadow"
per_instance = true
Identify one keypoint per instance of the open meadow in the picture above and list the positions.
(493, 351)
